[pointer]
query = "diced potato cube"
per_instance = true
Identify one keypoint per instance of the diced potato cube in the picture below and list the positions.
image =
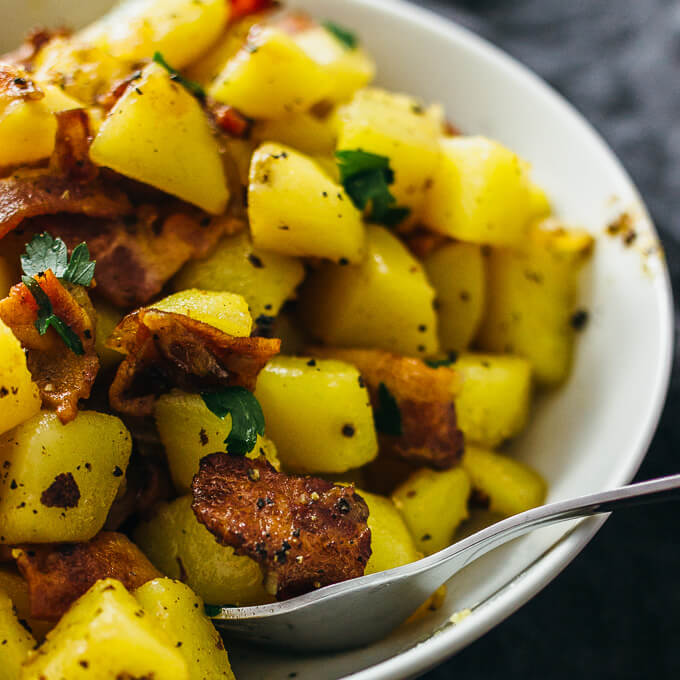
(510, 486)
(457, 274)
(158, 133)
(16, 587)
(182, 548)
(264, 279)
(303, 131)
(532, 292)
(180, 29)
(58, 481)
(493, 404)
(349, 69)
(481, 193)
(179, 613)
(433, 503)
(396, 126)
(15, 641)
(318, 413)
(226, 311)
(19, 396)
(190, 431)
(294, 208)
(385, 302)
(391, 541)
(106, 634)
(270, 77)
(108, 318)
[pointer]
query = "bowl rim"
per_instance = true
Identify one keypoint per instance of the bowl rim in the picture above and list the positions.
(425, 655)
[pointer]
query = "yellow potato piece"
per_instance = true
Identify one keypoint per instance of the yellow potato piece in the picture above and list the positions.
(493, 404)
(106, 634)
(60, 480)
(158, 133)
(510, 486)
(481, 193)
(264, 279)
(19, 396)
(180, 29)
(16, 587)
(385, 302)
(302, 131)
(15, 641)
(294, 208)
(181, 547)
(317, 411)
(226, 311)
(270, 77)
(179, 613)
(457, 274)
(433, 503)
(108, 318)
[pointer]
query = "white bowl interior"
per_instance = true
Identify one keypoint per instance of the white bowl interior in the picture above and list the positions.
(589, 435)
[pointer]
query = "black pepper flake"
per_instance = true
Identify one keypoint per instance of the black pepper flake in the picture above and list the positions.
(296, 533)
(203, 437)
(84, 663)
(421, 348)
(362, 383)
(138, 91)
(265, 320)
(422, 328)
(13, 484)
(311, 362)
(284, 227)
(343, 506)
(579, 319)
(268, 307)
(87, 333)
(3, 392)
(343, 261)
(348, 430)
(20, 82)
(464, 296)
(205, 222)
(426, 537)
(260, 503)
(117, 472)
(255, 261)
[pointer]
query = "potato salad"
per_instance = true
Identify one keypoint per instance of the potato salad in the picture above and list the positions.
(265, 326)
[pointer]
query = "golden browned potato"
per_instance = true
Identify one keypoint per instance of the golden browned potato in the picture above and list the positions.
(15, 641)
(304, 132)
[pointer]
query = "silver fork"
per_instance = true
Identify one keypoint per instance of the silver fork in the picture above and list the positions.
(366, 609)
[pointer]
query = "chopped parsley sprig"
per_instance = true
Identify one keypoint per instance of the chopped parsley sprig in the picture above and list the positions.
(345, 36)
(247, 419)
(175, 75)
(366, 178)
(387, 415)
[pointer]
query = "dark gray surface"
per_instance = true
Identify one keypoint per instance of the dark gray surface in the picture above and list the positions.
(615, 611)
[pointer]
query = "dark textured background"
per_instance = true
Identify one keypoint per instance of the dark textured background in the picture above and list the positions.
(615, 611)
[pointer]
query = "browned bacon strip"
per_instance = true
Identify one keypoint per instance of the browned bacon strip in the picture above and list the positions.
(304, 532)
(58, 574)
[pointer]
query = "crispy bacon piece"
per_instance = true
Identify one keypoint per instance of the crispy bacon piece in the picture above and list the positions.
(58, 574)
(241, 8)
(422, 242)
(424, 396)
(229, 120)
(166, 350)
(62, 376)
(304, 532)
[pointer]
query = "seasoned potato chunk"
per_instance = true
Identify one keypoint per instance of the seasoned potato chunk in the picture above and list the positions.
(19, 396)
(509, 486)
(385, 302)
(106, 634)
(182, 548)
(458, 277)
(58, 481)
(15, 641)
(108, 317)
(157, 133)
(396, 126)
(189, 431)
(294, 208)
(181, 29)
(264, 279)
(318, 413)
(303, 131)
(532, 292)
(493, 403)
(433, 504)
(270, 77)
(179, 613)
(16, 588)
(481, 193)
(391, 542)
(226, 311)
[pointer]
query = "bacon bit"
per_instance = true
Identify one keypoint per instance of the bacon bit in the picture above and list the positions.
(241, 8)
(62, 376)
(15, 83)
(166, 350)
(296, 22)
(71, 157)
(422, 242)
(300, 547)
(108, 101)
(425, 398)
(58, 574)
(229, 120)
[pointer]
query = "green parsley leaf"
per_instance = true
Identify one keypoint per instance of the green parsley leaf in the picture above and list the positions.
(346, 37)
(247, 419)
(366, 178)
(437, 363)
(387, 416)
(212, 610)
(175, 75)
(45, 252)
(48, 319)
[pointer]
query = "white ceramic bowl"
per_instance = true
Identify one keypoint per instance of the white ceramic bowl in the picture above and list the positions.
(590, 435)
